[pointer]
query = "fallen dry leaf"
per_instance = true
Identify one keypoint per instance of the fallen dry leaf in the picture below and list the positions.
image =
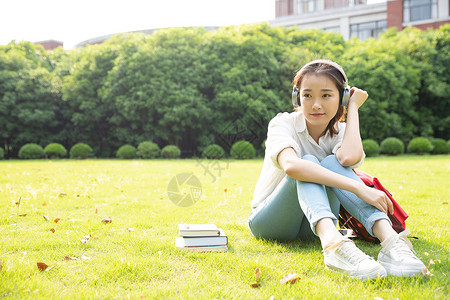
(256, 283)
(96, 211)
(85, 239)
(44, 204)
(46, 218)
(57, 220)
(445, 202)
(70, 258)
(84, 257)
(257, 273)
(290, 278)
(23, 215)
(1, 266)
(107, 220)
(426, 272)
(52, 230)
(62, 194)
(42, 266)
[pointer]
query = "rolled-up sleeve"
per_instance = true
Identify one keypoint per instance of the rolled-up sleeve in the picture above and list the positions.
(281, 135)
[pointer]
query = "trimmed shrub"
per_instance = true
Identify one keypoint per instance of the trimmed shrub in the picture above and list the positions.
(392, 146)
(55, 150)
(242, 150)
(439, 146)
(31, 151)
(263, 145)
(80, 150)
(419, 145)
(126, 152)
(148, 150)
(2, 153)
(213, 151)
(371, 147)
(171, 151)
(448, 144)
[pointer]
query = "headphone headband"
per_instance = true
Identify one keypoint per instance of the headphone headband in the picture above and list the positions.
(346, 92)
(330, 63)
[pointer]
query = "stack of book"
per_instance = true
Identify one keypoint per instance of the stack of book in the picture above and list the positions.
(201, 238)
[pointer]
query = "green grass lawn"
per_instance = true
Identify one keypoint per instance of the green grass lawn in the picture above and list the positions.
(143, 262)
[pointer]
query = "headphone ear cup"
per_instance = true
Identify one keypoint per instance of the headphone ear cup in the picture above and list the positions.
(345, 96)
(295, 98)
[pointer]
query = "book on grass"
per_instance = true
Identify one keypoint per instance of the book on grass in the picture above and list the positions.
(197, 230)
(180, 245)
(203, 241)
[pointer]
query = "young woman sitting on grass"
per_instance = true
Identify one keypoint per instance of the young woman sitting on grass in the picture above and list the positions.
(307, 174)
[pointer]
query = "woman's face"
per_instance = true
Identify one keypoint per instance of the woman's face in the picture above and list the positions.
(319, 97)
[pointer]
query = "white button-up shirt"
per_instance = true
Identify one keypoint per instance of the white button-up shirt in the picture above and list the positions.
(289, 130)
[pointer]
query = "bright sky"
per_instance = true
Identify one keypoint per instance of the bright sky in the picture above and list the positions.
(74, 21)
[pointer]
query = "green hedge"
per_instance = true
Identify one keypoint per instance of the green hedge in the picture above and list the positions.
(126, 152)
(392, 146)
(31, 151)
(242, 150)
(439, 146)
(213, 151)
(171, 151)
(80, 150)
(371, 147)
(419, 145)
(148, 150)
(55, 150)
(2, 153)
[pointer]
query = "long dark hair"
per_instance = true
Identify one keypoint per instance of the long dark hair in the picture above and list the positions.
(330, 69)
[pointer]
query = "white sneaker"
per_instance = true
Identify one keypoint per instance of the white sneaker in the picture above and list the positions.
(344, 256)
(398, 258)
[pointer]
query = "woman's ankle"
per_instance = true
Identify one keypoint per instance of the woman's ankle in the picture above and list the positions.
(383, 230)
(327, 232)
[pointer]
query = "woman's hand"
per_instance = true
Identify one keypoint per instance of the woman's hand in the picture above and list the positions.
(375, 198)
(357, 97)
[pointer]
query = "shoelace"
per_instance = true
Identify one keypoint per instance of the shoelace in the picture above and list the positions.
(404, 247)
(352, 253)
(348, 250)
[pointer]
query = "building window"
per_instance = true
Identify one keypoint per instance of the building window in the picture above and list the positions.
(307, 6)
(416, 10)
(367, 30)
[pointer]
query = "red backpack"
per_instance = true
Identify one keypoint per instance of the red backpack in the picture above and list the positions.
(346, 220)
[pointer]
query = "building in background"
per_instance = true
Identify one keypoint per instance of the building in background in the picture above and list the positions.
(352, 18)
(50, 44)
(361, 18)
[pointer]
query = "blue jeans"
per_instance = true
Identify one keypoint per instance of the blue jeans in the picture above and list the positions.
(294, 207)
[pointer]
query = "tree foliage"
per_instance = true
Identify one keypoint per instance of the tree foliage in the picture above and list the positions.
(191, 87)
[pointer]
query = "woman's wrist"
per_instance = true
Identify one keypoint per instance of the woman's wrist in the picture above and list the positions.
(357, 187)
(352, 107)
